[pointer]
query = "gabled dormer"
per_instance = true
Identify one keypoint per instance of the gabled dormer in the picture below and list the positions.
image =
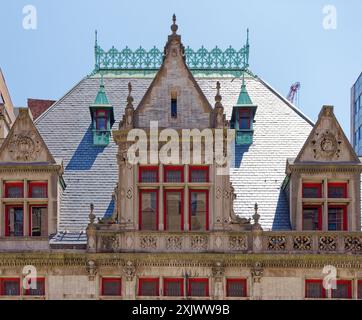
(102, 117)
(242, 118)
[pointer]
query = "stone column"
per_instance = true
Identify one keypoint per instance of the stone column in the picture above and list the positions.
(218, 272)
(256, 274)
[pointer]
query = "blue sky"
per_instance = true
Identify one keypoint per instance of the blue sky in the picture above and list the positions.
(288, 42)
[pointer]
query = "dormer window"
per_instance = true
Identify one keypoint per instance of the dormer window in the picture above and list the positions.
(174, 105)
(245, 116)
(102, 118)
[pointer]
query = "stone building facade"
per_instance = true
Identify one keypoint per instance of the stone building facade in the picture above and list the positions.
(86, 222)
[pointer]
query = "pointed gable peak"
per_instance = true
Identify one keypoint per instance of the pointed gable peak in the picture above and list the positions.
(101, 98)
(244, 98)
(327, 141)
(24, 143)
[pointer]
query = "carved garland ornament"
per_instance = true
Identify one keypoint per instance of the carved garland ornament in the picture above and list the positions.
(25, 146)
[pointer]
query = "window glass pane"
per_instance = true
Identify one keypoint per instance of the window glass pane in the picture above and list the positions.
(173, 210)
(312, 191)
(14, 191)
(236, 288)
(244, 123)
(173, 175)
(38, 221)
(342, 291)
(198, 288)
(101, 123)
(174, 108)
(199, 175)
(311, 218)
(198, 210)
(173, 288)
(38, 191)
(314, 289)
(149, 287)
(336, 191)
(111, 287)
(148, 175)
(39, 290)
(335, 219)
(15, 221)
(149, 210)
(11, 288)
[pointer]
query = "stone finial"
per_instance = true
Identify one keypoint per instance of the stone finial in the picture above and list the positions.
(256, 218)
(218, 97)
(92, 216)
(174, 26)
(130, 98)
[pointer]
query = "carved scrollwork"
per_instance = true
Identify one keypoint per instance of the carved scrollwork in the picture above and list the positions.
(327, 243)
(302, 243)
(237, 243)
(110, 242)
(277, 243)
(148, 242)
(174, 243)
(129, 270)
(25, 146)
(353, 244)
(199, 242)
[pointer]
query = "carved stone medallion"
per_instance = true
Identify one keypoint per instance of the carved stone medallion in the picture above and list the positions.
(25, 146)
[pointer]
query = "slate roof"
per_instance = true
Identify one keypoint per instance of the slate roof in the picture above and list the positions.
(91, 172)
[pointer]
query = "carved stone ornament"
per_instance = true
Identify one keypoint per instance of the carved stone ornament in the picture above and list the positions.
(353, 244)
(91, 269)
(129, 270)
(199, 242)
(277, 243)
(174, 243)
(326, 145)
(237, 243)
(148, 242)
(302, 243)
(327, 243)
(25, 146)
(218, 271)
(257, 272)
(110, 242)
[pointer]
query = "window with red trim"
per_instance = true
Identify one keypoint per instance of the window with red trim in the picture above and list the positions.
(337, 218)
(314, 289)
(148, 287)
(148, 174)
(199, 210)
(236, 288)
(198, 174)
(173, 210)
(14, 221)
(359, 289)
(14, 190)
(38, 220)
(198, 287)
(312, 217)
(36, 287)
(38, 190)
(173, 287)
(101, 120)
(245, 117)
(148, 209)
(173, 174)
(343, 290)
(111, 287)
(312, 190)
(10, 287)
(337, 190)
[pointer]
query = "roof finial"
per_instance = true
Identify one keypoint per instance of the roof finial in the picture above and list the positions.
(218, 97)
(129, 98)
(96, 38)
(174, 26)
(247, 36)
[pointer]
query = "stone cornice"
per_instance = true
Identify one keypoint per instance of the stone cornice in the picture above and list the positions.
(323, 168)
(30, 168)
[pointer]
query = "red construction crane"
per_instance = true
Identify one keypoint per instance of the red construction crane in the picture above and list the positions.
(293, 92)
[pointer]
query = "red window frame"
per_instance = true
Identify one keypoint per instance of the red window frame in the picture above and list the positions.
(196, 280)
(38, 280)
(320, 215)
(14, 184)
(242, 281)
(339, 184)
(165, 207)
(173, 168)
(241, 114)
(37, 184)
(141, 191)
(105, 280)
(207, 207)
(324, 291)
(7, 217)
(97, 117)
(166, 281)
(148, 168)
(204, 168)
(349, 288)
(345, 218)
(30, 217)
(2, 280)
(311, 185)
(359, 284)
(144, 280)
